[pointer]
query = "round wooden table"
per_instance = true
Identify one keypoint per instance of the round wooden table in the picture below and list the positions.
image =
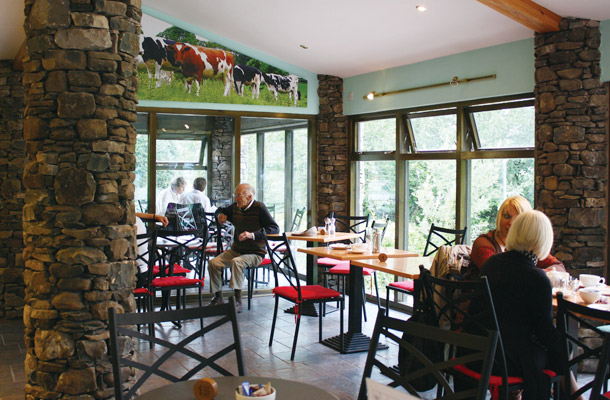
(286, 390)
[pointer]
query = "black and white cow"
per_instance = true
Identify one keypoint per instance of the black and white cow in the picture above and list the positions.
(283, 84)
(245, 75)
(155, 48)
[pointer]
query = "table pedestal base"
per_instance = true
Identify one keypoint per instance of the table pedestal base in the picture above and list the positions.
(354, 343)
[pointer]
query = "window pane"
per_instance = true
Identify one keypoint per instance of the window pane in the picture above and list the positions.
(435, 133)
(299, 176)
(508, 128)
(432, 186)
(141, 179)
(492, 182)
(377, 194)
(377, 135)
(273, 175)
(248, 164)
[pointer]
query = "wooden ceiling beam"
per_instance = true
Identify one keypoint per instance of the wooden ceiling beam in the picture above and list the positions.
(527, 13)
(18, 60)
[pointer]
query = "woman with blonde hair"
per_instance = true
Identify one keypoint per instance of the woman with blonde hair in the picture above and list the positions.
(494, 241)
(523, 301)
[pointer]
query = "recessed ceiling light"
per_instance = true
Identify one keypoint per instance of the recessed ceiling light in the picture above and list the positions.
(421, 8)
(303, 46)
(187, 126)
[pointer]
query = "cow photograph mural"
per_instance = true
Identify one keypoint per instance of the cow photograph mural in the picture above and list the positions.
(177, 65)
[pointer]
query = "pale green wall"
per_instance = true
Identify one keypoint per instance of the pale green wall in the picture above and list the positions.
(312, 79)
(513, 63)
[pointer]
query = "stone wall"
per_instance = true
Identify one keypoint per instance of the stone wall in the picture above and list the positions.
(78, 218)
(571, 141)
(332, 148)
(12, 159)
(222, 150)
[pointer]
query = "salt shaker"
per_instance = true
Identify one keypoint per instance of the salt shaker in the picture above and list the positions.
(332, 228)
(327, 225)
(369, 239)
(376, 240)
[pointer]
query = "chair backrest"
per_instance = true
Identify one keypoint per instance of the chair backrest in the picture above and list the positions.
(464, 306)
(470, 349)
(353, 224)
(382, 225)
(271, 209)
(189, 347)
(296, 221)
(185, 248)
(438, 237)
(221, 234)
(282, 262)
(147, 245)
(185, 217)
(593, 346)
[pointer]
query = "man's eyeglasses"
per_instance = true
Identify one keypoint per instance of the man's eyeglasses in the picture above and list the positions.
(239, 195)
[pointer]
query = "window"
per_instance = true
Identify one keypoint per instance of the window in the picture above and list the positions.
(456, 164)
(141, 179)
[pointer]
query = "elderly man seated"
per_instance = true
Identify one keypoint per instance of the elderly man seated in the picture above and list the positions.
(251, 219)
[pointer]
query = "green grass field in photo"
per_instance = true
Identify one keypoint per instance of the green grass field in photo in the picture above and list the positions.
(211, 91)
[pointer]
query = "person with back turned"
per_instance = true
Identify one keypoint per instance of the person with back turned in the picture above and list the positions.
(251, 220)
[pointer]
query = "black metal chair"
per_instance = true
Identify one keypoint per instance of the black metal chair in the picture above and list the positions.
(596, 344)
(184, 250)
(341, 270)
(473, 348)
(438, 237)
(346, 223)
(147, 244)
(124, 353)
(301, 295)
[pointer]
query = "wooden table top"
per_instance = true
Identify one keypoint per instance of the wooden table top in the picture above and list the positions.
(347, 255)
(406, 267)
(337, 237)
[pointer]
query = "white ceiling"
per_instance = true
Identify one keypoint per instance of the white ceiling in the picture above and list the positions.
(344, 37)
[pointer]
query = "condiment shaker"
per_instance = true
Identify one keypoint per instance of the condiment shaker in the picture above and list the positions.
(376, 240)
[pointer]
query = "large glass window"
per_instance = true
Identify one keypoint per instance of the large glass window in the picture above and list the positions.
(431, 188)
(493, 181)
(505, 128)
(274, 166)
(434, 132)
(141, 179)
(377, 135)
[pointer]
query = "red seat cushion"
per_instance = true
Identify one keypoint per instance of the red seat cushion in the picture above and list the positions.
(328, 261)
(178, 270)
(266, 261)
(171, 281)
(308, 292)
(141, 291)
(607, 395)
(343, 269)
(404, 285)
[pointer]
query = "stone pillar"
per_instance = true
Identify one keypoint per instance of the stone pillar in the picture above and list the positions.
(79, 239)
(222, 153)
(571, 141)
(332, 148)
(12, 158)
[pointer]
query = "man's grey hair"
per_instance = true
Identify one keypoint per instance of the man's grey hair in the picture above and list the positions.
(178, 182)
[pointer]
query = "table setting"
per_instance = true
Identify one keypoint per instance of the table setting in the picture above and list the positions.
(587, 289)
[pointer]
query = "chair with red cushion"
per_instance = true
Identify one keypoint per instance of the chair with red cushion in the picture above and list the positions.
(144, 297)
(284, 268)
(452, 301)
(573, 318)
(187, 251)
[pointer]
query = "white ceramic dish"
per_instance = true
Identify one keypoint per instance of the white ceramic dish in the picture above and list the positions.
(339, 246)
(600, 306)
(270, 396)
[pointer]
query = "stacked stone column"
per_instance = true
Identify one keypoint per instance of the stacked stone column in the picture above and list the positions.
(332, 148)
(571, 141)
(222, 156)
(79, 240)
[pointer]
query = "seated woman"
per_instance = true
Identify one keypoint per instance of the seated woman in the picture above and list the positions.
(522, 296)
(493, 242)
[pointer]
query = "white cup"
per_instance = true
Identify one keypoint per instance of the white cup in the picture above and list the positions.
(359, 247)
(591, 280)
(590, 295)
(556, 278)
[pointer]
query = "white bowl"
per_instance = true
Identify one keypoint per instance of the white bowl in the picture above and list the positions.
(270, 396)
(590, 295)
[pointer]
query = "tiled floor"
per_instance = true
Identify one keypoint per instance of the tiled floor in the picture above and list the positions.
(314, 363)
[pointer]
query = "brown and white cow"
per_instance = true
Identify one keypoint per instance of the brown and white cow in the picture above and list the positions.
(201, 62)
